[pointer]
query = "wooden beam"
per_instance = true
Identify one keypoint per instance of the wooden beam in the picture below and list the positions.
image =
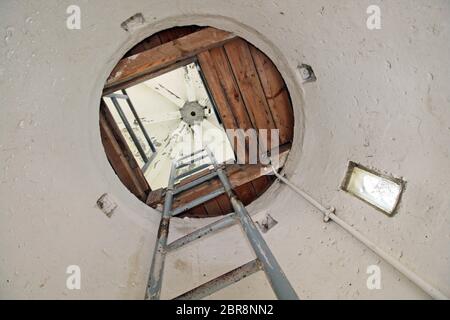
(150, 61)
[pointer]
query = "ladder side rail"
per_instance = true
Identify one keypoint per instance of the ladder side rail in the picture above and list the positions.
(159, 254)
(129, 129)
(139, 122)
(277, 279)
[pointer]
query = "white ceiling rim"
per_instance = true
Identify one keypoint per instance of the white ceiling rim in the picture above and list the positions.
(286, 68)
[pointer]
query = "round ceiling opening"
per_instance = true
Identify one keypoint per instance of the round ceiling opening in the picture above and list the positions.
(185, 89)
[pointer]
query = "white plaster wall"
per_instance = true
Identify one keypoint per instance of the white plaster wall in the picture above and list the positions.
(382, 99)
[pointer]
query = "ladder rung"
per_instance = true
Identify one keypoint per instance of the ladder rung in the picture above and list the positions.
(185, 164)
(222, 281)
(195, 170)
(198, 201)
(117, 96)
(223, 223)
(190, 155)
(194, 183)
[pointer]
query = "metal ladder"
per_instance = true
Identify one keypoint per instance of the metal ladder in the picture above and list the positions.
(265, 260)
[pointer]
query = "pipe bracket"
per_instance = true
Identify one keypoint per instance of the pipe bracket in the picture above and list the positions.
(330, 210)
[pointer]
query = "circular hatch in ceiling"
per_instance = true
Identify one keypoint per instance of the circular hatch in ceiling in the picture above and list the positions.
(188, 86)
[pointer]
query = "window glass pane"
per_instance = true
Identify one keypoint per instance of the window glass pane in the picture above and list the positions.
(381, 192)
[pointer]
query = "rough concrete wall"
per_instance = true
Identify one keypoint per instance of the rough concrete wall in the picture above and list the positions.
(381, 99)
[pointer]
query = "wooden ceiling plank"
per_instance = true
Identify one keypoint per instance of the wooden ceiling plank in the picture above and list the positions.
(212, 78)
(276, 94)
(221, 101)
(249, 84)
(230, 88)
(224, 203)
(213, 209)
(196, 212)
(245, 193)
(261, 184)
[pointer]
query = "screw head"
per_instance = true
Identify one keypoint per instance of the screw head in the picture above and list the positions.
(306, 73)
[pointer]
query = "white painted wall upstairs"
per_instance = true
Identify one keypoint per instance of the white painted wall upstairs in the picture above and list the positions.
(381, 99)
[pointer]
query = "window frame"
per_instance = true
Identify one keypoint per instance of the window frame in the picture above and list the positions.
(399, 181)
